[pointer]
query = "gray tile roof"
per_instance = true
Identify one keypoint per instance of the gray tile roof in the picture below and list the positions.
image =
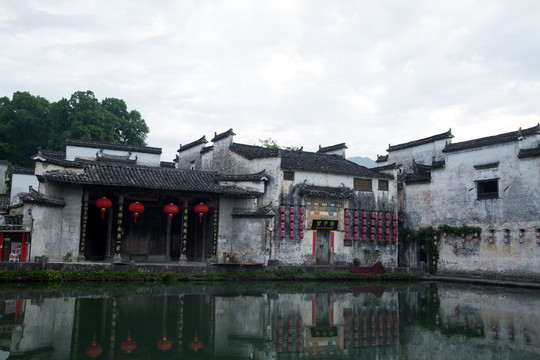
(143, 177)
(260, 176)
(492, 140)
(223, 135)
(331, 148)
(23, 171)
(443, 136)
(308, 161)
(34, 197)
(265, 211)
(325, 192)
(109, 146)
(55, 158)
(534, 152)
(193, 144)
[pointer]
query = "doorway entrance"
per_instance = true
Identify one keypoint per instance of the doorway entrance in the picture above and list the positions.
(322, 251)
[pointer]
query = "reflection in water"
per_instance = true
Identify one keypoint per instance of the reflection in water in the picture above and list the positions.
(269, 321)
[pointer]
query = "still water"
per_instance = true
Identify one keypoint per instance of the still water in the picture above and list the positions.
(275, 320)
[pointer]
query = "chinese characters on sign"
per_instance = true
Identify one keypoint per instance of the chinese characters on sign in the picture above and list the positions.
(324, 225)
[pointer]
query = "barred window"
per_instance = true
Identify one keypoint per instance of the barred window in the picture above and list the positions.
(383, 185)
(487, 189)
(362, 185)
(288, 175)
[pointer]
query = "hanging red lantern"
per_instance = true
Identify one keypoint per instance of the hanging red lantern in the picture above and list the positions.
(93, 350)
(104, 204)
(129, 345)
(170, 210)
(164, 344)
(136, 208)
(196, 344)
(201, 209)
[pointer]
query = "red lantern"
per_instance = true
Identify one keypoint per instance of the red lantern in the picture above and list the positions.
(93, 350)
(129, 345)
(104, 204)
(164, 344)
(201, 209)
(195, 344)
(136, 208)
(171, 210)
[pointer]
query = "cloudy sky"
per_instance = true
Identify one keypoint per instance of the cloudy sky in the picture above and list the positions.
(305, 73)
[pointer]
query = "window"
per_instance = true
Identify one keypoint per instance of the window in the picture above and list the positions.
(487, 189)
(288, 175)
(362, 184)
(383, 185)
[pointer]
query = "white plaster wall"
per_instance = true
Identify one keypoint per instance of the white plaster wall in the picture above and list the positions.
(508, 326)
(21, 183)
(49, 324)
(73, 152)
(3, 177)
(423, 154)
(451, 198)
(186, 157)
(56, 231)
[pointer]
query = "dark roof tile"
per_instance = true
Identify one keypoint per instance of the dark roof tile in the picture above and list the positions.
(143, 177)
(492, 140)
(325, 192)
(443, 136)
(331, 148)
(260, 176)
(534, 152)
(223, 135)
(110, 146)
(193, 144)
(265, 211)
(308, 161)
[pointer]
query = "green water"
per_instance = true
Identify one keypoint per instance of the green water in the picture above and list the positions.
(277, 320)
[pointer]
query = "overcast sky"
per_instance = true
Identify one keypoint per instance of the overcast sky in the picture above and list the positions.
(305, 73)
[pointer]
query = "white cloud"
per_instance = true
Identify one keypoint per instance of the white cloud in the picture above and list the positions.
(302, 72)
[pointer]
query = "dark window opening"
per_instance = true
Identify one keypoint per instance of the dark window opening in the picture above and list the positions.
(288, 175)
(383, 185)
(488, 189)
(362, 185)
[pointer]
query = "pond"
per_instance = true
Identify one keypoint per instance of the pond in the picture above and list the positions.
(277, 320)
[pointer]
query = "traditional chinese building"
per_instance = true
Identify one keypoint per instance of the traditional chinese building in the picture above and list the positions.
(317, 208)
(100, 201)
(491, 183)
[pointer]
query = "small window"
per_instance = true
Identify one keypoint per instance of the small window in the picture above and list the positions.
(383, 185)
(288, 175)
(362, 184)
(488, 189)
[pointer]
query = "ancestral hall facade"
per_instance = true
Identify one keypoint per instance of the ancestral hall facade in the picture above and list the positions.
(317, 207)
(216, 204)
(490, 182)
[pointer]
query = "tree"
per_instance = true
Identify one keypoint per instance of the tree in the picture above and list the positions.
(22, 127)
(28, 122)
(130, 128)
(272, 144)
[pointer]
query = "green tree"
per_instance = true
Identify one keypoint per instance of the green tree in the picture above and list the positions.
(22, 127)
(272, 144)
(129, 127)
(28, 122)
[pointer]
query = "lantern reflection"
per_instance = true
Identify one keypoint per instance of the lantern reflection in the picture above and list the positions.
(93, 350)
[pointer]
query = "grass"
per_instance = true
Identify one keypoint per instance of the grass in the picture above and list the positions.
(137, 275)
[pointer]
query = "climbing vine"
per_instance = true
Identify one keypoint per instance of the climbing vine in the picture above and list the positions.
(428, 236)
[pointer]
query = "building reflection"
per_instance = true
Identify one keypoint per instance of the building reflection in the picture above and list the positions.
(354, 322)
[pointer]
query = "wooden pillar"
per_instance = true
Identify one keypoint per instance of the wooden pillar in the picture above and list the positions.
(183, 245)
(119, 230)
(84, 224)
(168, 250)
